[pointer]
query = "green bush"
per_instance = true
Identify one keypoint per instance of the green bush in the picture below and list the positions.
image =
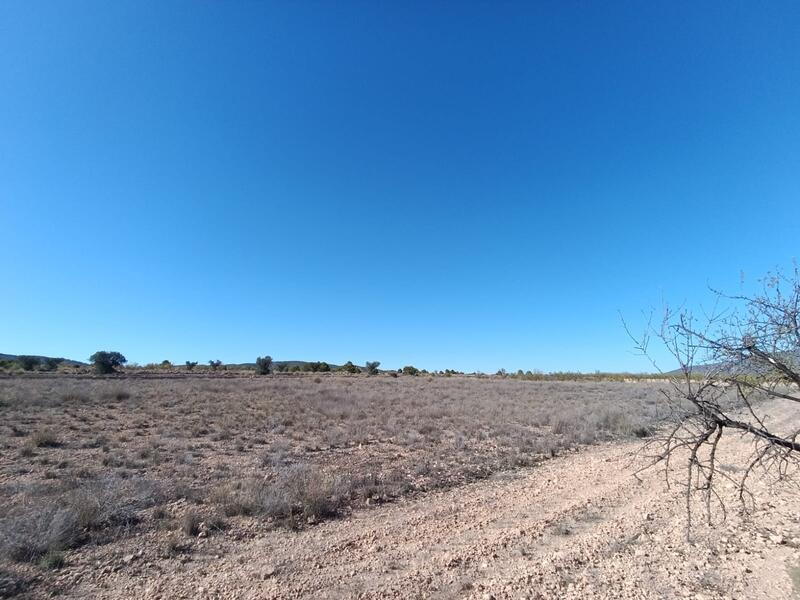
(349, 367)
(372, 367)
(410, 370)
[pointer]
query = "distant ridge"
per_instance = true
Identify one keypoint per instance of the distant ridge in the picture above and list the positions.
(66, 361)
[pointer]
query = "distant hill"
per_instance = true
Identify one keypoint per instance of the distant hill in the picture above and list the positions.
(790, 358)
(66, 361)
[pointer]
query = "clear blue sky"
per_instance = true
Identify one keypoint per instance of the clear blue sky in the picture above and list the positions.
(450, 185)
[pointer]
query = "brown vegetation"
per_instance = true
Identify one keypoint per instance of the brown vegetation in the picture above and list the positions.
(87, 460)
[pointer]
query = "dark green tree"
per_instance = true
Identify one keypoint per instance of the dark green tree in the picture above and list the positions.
(106, 362)
(372, 367)
(28, 363)
(51, 364)
(264, 365)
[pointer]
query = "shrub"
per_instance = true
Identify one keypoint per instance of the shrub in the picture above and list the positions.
(349, 367)
(238, 498)
(173, 546)
(53, 559)
(51, 364)
(214, 364)
(299, 492)
(106, 362)
(190, 525)
(116, 393)
(27, 536)
(264, 365)
(410, 370)
(319, 367)
(372, 367)
(165, 364)
(28, 363)
(45, 438)
(190, 365)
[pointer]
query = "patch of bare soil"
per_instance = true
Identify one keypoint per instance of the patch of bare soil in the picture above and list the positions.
(577, 526)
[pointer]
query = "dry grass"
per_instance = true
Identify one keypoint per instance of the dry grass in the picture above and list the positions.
(84, 460)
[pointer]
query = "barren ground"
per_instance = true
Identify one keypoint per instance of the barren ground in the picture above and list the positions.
(575, 526)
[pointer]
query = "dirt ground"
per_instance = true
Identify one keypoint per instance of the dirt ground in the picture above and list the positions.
(577, 526)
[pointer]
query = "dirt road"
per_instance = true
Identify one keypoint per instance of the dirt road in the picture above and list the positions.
(578, 526)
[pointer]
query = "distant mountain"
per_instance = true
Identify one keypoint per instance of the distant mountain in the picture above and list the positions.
(66, 361)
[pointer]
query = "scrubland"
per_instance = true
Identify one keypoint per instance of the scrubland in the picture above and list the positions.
(87, 462)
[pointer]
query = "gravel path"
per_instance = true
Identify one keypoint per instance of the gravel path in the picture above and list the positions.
(578, 526)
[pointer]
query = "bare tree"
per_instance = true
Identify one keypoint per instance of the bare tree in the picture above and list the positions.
(731, 360)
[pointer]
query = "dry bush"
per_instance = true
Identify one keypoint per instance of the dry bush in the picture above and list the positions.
(45, 438)
(53, 519)
(190, 524)
(27, 535)
(299, 491)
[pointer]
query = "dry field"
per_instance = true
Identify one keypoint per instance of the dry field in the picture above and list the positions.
(89, 461)
(261, 487)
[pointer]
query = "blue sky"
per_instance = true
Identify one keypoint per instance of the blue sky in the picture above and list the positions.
(450, 185)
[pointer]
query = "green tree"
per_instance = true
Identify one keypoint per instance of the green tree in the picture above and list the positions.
(51, 364)
(106, 362)
(190, 365)
(28, 363)
(264, 365)
(214, 364)
(319, 367)
(410, 370)
(372, 367)
(349, 367)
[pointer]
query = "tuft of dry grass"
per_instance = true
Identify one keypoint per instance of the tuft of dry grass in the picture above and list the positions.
(190, 524)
